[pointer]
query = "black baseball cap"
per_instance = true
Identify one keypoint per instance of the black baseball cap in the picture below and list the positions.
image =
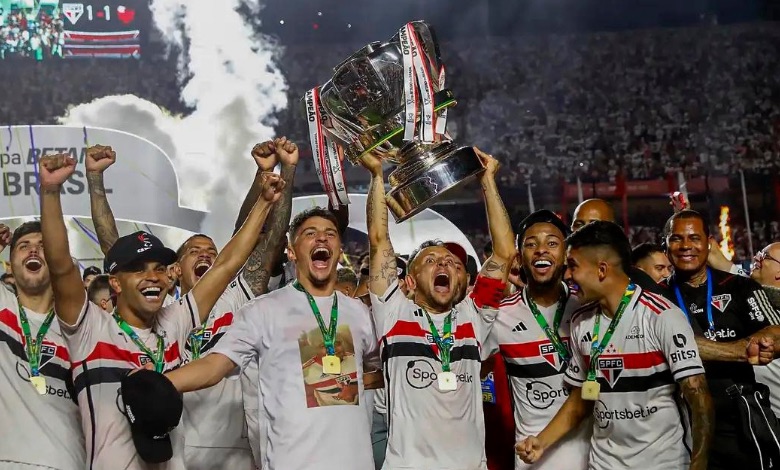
(139, 246)
(401, 266)
(153, 408)
(91, 271)
(539, 217)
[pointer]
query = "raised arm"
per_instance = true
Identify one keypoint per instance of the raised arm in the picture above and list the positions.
(211, 286)
(98, 158)
(69, 293)
(268, 249)
(382, 265)
(504, 251)
(697, 395)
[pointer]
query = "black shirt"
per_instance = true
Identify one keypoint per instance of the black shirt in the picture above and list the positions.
(739, 309)
(643, 280)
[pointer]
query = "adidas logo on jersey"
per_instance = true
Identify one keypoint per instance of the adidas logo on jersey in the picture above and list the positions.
(587, 338)
(520, 327)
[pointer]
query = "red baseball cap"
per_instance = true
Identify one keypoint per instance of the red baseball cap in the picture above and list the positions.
(458, 250)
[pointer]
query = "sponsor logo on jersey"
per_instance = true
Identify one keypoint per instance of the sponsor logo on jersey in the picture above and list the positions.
(605, 415)
(755, 311)
(611, 368)
(721, 301)
(587, 338)
(723, 333)
(520, 327)
(541, 395)
(549, 354)
(635, 333)
(420, 374)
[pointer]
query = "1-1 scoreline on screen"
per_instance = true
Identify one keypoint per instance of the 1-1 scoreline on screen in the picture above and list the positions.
(56, 29)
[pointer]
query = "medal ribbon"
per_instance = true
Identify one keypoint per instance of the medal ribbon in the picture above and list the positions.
(196, 340)
(329, 335)
(33, 345)
(444, 341)
(597, 348)
(157, 357)
(708, 307)
(318, 143)
(552, 333)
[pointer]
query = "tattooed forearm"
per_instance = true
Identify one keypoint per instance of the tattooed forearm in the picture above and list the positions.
(382, 264)
(492, 266)
(102, 217)
(249, 202)
(267, 252)
(697, 395)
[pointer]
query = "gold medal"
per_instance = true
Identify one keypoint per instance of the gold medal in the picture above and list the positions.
(447, 382)
(590, 390)
(331, 365)
(39, 382)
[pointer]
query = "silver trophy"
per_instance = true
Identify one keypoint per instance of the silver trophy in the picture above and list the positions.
(389, 99)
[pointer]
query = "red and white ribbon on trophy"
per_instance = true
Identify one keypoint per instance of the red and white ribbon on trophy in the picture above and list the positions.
(417, 79)
(327, 155)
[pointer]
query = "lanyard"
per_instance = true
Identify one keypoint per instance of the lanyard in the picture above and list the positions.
(329, 335)
(33, 345)
(157, 357)
(597, 348)
(552, 333)
(708, 307)
(443, 341)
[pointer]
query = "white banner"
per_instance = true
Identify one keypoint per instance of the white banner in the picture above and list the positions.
(142, 185)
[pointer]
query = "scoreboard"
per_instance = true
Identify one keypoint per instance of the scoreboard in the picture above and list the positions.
(102, 28)
(72, 29)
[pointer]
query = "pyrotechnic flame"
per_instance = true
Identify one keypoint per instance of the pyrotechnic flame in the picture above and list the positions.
(726, 243)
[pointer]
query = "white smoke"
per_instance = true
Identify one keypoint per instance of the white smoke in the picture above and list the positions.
(233, 85)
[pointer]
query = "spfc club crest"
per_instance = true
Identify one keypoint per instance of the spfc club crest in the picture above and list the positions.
(548, 352)
(611, 368)
(721, 301)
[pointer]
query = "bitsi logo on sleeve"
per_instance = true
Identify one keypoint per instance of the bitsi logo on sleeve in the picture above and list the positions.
(721, 302)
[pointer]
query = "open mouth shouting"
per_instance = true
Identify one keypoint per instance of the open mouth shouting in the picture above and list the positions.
(33, 264)
(320, 258)
(152, 293)
(441, 283)
(201, 267)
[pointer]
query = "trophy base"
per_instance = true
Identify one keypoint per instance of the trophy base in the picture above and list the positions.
(416, 189)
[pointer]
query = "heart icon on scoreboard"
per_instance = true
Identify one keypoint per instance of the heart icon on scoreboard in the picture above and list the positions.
(126, 15)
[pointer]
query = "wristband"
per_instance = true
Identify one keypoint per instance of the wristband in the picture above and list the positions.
(488, 292)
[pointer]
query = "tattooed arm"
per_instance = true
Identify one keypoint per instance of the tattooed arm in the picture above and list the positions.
(382, 265)
(99, 158)
(267, 252)
(697, 395)
(504, 252)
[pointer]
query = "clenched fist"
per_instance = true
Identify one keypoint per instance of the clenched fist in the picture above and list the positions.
(271, 187)
(265, 155)
(99, 157)
(54, 170)
(529, 450)
(286, 151)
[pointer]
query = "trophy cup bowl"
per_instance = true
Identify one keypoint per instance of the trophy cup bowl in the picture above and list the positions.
(389, 99)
